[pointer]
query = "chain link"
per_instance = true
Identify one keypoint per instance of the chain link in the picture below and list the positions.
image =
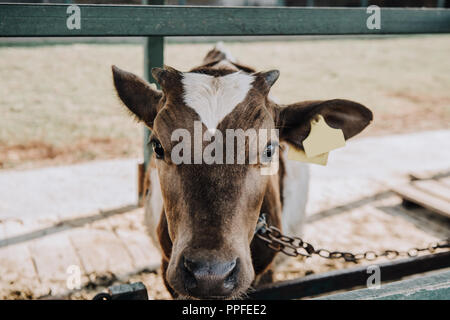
(295, 246)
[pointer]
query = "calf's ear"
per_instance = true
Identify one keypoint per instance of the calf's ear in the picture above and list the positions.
(137, 95)
(294, 120)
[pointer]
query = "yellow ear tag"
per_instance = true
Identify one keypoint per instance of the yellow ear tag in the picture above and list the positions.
(300, 155)
(322, 138)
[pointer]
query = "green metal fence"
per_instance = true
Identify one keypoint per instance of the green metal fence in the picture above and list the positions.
(109, 20)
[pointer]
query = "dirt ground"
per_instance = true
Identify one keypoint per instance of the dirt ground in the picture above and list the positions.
(58, 105)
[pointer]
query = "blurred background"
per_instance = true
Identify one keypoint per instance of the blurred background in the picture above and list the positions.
(69, 150)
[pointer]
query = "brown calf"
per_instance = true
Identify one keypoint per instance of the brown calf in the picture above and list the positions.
(203, 214)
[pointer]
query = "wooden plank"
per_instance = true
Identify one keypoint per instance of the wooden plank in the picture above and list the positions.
(16, 262)
(100, 252)
(143, 252)
(435, 188)
(17, 269)
(18, 20)
(30, 230)
(445, 181)
(423, 199)
(53, 255)
(431, 287)
(429, 174)
(18, 274)
(425, 175)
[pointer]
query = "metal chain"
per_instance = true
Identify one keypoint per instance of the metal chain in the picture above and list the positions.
(295, 246)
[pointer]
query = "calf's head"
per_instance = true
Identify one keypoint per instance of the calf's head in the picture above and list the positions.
(212, 199)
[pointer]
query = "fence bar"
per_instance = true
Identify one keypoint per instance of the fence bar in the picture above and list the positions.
(153, 57)
(18, 20)
(349, 278)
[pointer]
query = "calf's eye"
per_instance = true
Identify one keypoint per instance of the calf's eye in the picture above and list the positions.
(268, 153)
(157, 149)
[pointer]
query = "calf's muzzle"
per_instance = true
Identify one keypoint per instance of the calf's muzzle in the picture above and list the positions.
(209, 279)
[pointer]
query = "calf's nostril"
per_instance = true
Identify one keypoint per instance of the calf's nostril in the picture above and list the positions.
(190, 265)
(189, 278)
(205, 278)
(231, 278)
(223, 269)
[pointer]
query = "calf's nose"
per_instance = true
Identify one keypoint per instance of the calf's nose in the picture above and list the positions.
(210, 279)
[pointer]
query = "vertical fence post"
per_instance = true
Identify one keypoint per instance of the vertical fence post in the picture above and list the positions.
(153, 57)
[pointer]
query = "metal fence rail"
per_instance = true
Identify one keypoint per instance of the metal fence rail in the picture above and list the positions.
(348, 279)
(19, 20)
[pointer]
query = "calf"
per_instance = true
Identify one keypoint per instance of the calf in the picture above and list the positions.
(203, 214)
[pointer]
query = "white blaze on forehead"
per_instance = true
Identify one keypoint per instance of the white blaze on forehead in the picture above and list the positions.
(215, 97)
